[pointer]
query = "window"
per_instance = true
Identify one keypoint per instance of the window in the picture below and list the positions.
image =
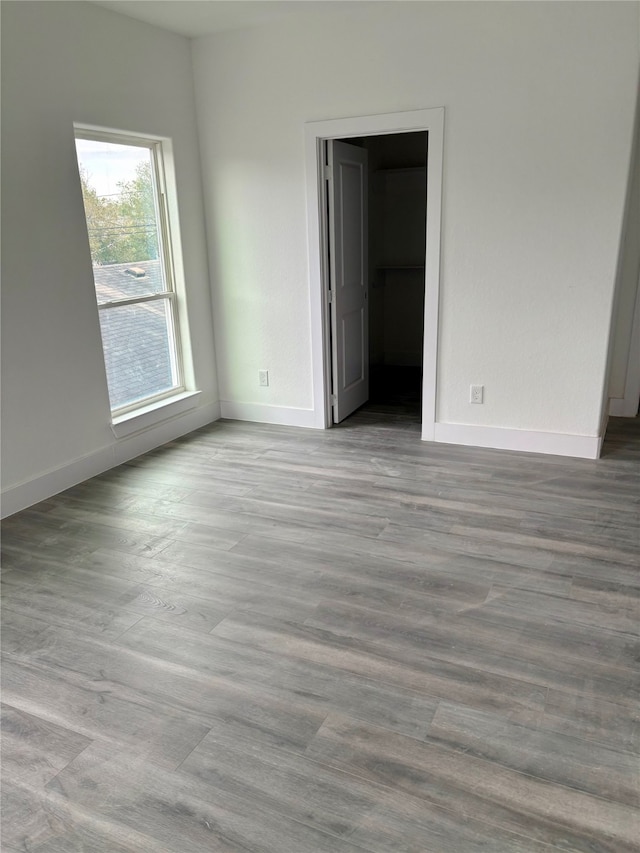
(123, 187)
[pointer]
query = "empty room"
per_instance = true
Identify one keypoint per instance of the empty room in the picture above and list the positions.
(320, 435)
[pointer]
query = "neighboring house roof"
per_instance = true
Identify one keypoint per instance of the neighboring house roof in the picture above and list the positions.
(134, 337)
(114, 282)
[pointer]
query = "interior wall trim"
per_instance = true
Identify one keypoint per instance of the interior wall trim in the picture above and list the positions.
(23, 495)
(265, 414)
(316, 132)
(627, 406)
(531, 441)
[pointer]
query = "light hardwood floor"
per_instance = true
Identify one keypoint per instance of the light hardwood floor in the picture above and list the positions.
(266, 639)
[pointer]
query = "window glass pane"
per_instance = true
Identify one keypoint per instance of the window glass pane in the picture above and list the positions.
(119, 201)
(139, 351)
(123, 281)
(125, 224)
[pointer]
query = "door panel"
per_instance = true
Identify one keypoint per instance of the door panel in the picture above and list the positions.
(349, 277)
(353, 348)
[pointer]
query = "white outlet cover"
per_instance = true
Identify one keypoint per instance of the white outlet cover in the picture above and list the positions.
(476, 394)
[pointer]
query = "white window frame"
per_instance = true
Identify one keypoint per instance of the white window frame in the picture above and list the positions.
(149, 410)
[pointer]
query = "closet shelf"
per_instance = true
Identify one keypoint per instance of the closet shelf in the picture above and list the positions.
(400, 170)
(400, 266)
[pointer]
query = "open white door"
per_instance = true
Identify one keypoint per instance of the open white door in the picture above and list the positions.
(348, 277)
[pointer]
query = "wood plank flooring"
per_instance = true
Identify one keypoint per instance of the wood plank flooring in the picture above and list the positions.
(259, 639)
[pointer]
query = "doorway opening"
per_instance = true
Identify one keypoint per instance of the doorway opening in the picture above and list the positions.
(396, 197)
(400, 270)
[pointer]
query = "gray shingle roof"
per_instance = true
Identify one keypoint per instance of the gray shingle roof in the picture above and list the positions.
(114, 282)
(134, 337)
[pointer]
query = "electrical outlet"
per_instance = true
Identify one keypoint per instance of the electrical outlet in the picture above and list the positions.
(263, 378)
(476, 393)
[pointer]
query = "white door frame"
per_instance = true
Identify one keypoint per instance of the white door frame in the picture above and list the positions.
(627, 405)
(432, 121)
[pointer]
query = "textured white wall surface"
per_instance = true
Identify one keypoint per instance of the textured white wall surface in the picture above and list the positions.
(66, 62)
(539, 102)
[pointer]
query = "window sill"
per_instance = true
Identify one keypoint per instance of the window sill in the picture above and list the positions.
(155, 413)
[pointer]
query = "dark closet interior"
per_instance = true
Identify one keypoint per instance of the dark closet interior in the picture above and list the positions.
(397, 222)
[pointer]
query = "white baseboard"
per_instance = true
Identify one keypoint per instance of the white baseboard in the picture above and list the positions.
(23, 495)
(531, 441)
(263, 414)
(142, 442)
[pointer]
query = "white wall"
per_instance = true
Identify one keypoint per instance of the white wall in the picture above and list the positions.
(539, 107)
(66, 62)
